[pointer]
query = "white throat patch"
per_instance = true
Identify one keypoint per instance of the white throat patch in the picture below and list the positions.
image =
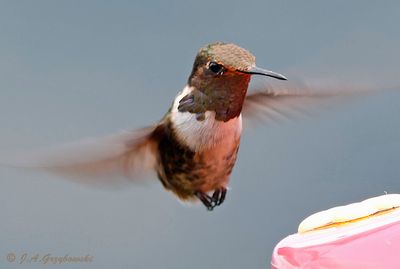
(198, 135)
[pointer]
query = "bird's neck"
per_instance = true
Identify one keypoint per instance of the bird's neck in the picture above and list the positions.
(202, 133)
(227, 104)
(224, 96)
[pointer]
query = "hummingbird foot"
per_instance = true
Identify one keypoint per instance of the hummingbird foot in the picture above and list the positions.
(218, 196)
(206, 200)
(210, 202)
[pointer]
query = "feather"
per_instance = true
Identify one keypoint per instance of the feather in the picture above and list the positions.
(106, 160)
(285, 100)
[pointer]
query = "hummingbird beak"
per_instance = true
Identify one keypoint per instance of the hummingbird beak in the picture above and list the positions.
(259, 71)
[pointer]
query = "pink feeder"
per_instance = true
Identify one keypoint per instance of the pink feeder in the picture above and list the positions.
(371, 241)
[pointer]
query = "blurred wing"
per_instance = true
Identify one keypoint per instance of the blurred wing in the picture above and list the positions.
(98, 160)
(287, 100)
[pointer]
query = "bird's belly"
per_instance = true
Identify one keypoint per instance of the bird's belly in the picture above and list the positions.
(218, 162)
(186, 171)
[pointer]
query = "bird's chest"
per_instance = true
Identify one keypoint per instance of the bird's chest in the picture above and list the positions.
(204, 134)
(208, 134)
(198, 155)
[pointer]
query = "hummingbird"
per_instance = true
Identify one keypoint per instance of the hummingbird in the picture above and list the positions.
(194, 147)
(198, 139)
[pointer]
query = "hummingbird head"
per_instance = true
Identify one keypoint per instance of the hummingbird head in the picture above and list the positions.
(222, 72)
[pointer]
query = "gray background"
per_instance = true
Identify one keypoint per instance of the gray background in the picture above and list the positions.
(76, 69)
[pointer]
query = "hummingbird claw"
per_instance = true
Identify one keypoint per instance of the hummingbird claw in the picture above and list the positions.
(206, 200)
(215, 197)
(222, 196)
(218, 196)
(215, 200)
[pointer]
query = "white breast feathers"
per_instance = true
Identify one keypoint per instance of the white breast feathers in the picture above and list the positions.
(198, 135)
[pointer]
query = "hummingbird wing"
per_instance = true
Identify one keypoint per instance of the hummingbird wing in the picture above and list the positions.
(287, 100)
(107, 160)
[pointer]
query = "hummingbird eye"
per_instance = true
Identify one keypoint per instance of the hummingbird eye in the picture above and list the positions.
(216, 68)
